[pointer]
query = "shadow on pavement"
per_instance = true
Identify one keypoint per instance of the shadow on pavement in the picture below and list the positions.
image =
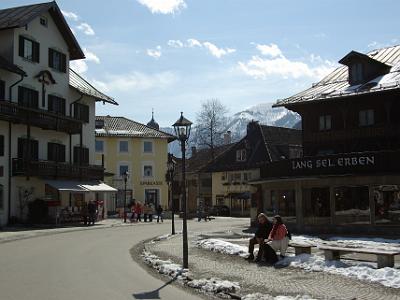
(153, 294)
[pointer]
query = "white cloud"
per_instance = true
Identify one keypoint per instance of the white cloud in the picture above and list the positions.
(86, 28)
(217, 52)
(269, 50)
(70, 15)
(79, 66)
(155, 53)
(278, 64)
(90, 56)
(193, 43)
(175, 43)
(136, 81)
(163, 6)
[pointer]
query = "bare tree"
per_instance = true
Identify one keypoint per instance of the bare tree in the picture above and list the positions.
(211, 124)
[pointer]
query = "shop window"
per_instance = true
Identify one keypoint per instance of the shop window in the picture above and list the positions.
(366, 117)
(147, 171)
(56, 152)
(99, 145)
(241, 155)
(123, 146)
(325, 122)
(147, 147)
(28, 97)
(387, 204)
(56, 104)
(283, 203)
(152, 197)
(352, 205)
(57, 60)
(29, 49)
(316, 206)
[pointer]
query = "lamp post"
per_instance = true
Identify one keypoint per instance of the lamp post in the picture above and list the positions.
(182, 131)
(170, 181)
(125, 175)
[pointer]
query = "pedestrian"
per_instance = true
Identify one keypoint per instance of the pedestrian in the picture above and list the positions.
(132, 219)
(145, 212)
(84, 213)
(159, 214)
(139, 210)
(92, 212)
(263, 230)
(278, 238)
(151, 212)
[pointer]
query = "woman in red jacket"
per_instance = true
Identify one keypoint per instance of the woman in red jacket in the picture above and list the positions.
(278, 237)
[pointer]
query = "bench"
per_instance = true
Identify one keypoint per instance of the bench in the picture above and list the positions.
(301, 248)
(385, 258)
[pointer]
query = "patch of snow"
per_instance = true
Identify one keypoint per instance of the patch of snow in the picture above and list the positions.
(166, 267)
(389, 277)
(221, 246)
(214, 285)
(259, 296)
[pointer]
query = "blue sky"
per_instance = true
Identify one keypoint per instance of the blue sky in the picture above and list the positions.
(172, 54)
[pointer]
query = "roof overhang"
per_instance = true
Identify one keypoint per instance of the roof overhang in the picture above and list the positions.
(79, 186)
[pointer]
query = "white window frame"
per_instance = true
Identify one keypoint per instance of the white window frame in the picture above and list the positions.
(152, 147)
(102, 141)
(145, 164)
(241, 155)
(123, 163)
(119, 146)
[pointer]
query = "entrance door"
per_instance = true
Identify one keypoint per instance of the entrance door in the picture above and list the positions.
(152, 196)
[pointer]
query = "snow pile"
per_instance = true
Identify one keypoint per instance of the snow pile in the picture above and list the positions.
(259, 296)
(214, 285)
(389, 277)
(221, 246)
(166, 267)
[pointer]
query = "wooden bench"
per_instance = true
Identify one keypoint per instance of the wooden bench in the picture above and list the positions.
(385, 258)
(301, 248)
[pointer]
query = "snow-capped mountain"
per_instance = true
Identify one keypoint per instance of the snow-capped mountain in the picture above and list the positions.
(263, 113)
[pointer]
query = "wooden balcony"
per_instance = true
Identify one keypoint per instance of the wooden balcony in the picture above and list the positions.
(351, 134)
(54, 170)
(10, 111)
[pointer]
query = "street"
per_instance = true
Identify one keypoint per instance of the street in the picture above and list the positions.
(89, 264)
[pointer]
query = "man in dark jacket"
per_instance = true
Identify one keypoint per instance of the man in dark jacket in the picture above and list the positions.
(262, 233)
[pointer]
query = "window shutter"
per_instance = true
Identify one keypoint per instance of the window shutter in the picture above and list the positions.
(34, 150)
(1, 145)
(50, 104)
(63, 63)
(35, 99)
(21, 148)
(21, 46)
(62, 109)
(51, 54)
(85, 113)
(85, 154)
(61, 153)
(2, 90)
(35, 51)
(20, 95)
(50, 151)
(76, 155)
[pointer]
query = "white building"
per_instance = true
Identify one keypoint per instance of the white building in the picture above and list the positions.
(47, 113)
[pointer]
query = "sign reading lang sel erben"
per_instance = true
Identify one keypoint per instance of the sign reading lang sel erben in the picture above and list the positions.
(333, 162)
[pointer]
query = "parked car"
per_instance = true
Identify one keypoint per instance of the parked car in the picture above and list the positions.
(220, 210)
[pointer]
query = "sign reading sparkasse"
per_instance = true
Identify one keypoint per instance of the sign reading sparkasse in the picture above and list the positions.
(334, 162)
(151, 183)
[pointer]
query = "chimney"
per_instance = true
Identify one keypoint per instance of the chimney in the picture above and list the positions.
(194, 150)
(251, 126)
(228, 137)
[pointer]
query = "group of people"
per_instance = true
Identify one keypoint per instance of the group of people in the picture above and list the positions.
(138, 210)
(89, 213)
(271, 237)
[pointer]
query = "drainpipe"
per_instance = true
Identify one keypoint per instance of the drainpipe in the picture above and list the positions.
(9, 151)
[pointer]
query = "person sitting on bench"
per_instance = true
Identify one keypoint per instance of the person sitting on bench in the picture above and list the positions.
(278, 238)
(262, 232)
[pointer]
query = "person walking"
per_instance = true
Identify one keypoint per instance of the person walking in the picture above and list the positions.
(92, 212)
(84, 213)
(139, 210)
(159, 214)
(263, 230)
(278, 238)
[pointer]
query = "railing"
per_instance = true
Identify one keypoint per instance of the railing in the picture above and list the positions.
(44, 119)
(351, 134)
(53, 170)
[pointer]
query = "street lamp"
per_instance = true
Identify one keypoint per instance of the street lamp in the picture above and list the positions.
(182, 131)
(125, 175)
(170, 181)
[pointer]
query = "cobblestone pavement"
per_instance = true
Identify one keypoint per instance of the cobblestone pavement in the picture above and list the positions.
(268, 280)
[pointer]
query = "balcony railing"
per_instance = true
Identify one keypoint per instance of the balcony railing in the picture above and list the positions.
(44, 119)
(54, 170)
(351, 134)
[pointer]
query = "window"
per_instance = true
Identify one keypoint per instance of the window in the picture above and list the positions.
(1, 145)
(28, 97)
(245, 177)
(238, 177)
(356, 73)
(148, 147)
(99, 124)
(28, 153)
(147, 171)
(57, 60)
(1, 197)
(56, 152)
(123, 146)
(241, 155)
(325, 122)
(56, 104)
(81, 155)
(43, 21)
(28, 49)
(99, 146)
(81, 112)
(366, 117)
(2, 90)
(223, 176)
(123, 169)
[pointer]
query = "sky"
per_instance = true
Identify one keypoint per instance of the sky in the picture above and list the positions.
(170, 55)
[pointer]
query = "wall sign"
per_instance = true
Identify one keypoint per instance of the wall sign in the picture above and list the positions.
(151, 183)
(336, 162)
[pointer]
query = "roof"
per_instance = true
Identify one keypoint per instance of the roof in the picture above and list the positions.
(123, 127)
(16, 17)
(6, 65)
(81, 85)
(336, 84)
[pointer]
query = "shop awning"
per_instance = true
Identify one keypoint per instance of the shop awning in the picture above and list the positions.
(79, 186)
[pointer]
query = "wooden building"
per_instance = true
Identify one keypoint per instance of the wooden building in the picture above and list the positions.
(348, 179)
